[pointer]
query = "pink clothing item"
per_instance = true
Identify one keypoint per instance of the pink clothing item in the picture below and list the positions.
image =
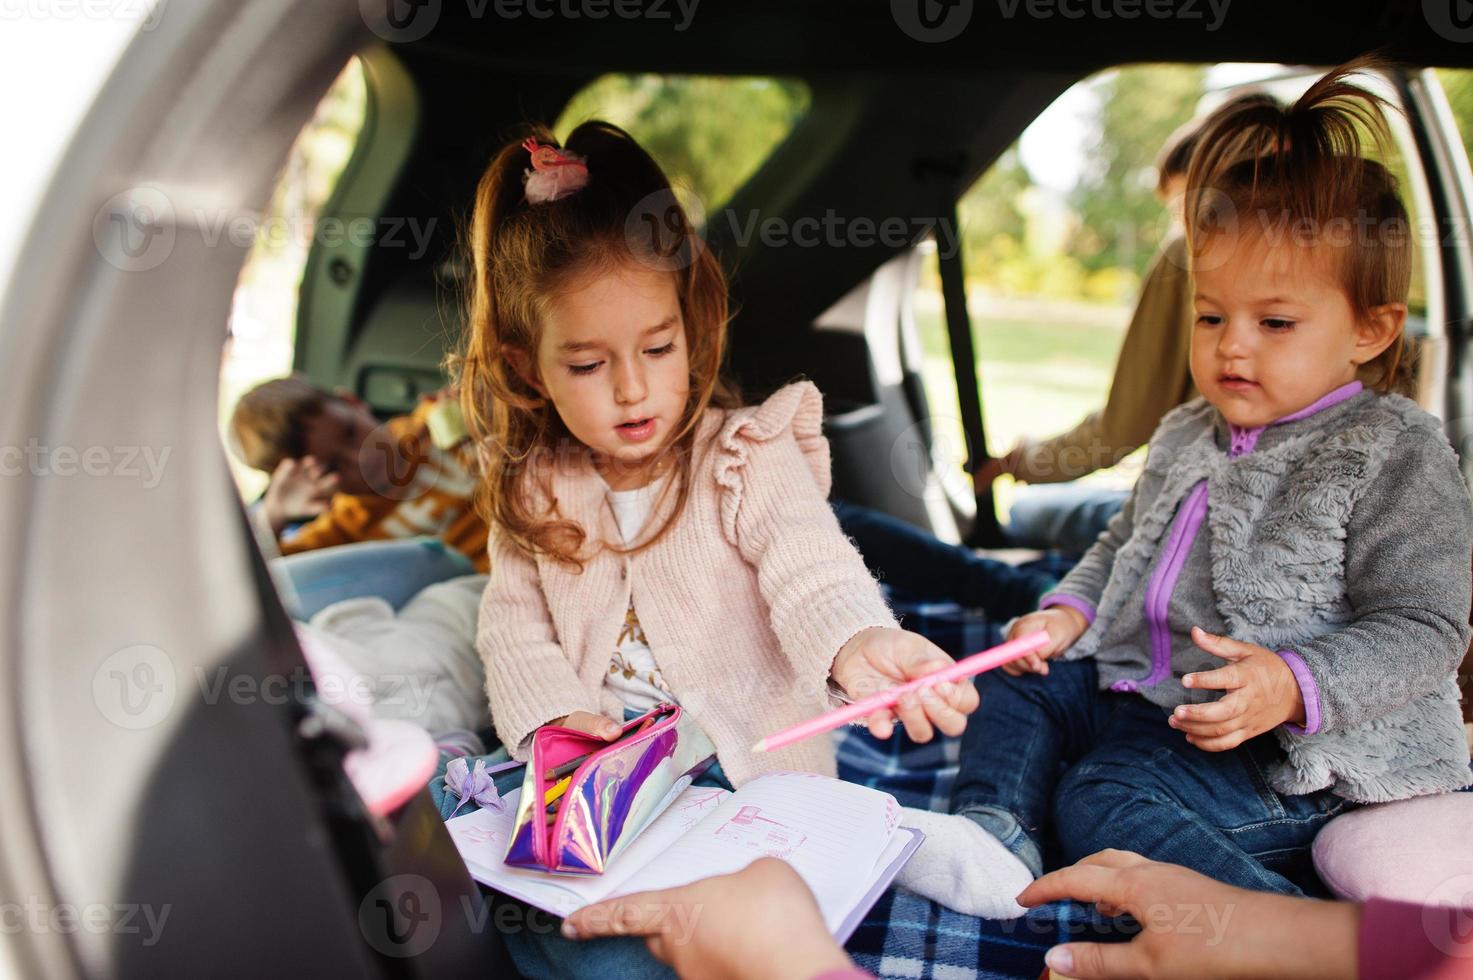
(1405, 941)
(745, 601)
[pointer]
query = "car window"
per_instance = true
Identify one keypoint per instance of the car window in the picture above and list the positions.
(1057, 236)
(263, 313)
(708, 133)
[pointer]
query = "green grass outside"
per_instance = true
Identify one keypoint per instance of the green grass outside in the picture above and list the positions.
(1040, 376)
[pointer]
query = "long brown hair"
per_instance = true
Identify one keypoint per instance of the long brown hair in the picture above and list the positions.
(1299, 172)
(521, 255)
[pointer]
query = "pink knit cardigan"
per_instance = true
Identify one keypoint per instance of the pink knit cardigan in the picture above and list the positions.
(745, 601)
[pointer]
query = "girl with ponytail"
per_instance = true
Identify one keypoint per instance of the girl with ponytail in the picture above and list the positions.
(1268, 632)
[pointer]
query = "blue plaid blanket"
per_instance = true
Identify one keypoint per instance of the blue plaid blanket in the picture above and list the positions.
(905, 935)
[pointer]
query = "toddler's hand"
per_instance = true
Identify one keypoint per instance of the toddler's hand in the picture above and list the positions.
(590, 724)
(1063, 624)
(880, 658)
(1263, 694)
(299, 488)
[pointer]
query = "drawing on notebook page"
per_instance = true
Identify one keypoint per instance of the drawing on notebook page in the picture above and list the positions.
(750, 829)
(692, 810)
(483, 835)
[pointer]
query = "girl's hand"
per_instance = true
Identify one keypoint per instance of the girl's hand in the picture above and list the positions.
(590, 724)
(880, 658)
(1263, 694)
(1063, 624)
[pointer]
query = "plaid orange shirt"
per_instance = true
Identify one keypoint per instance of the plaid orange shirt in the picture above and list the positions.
(431, 496)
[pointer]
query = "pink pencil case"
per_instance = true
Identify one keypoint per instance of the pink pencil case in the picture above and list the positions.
(614, 795)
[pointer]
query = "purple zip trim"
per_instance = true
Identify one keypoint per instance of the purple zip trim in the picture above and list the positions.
(1163, 582)
(1307, 690)
(1333, 398)
(1184, 532)
(1073, 602)
(1244, 441)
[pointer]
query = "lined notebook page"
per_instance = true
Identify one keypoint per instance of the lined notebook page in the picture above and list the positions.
(831, 832)
(481, 839)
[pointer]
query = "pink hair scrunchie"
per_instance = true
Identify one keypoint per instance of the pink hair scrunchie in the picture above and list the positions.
(555, 173)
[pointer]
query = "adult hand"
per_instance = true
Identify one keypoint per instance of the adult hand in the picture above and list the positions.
(1263, 694)
(985, 475)
(880, 658)
(1063, 624)
(299, 488)
(1192, 926)
(759, 923)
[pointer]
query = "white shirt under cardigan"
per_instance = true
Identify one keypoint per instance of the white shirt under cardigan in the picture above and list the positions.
(633, 675)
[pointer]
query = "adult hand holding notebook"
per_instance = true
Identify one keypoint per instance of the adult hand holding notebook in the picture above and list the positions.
(843, 839)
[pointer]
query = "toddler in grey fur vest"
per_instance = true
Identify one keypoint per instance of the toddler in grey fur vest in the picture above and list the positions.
(1268, 633)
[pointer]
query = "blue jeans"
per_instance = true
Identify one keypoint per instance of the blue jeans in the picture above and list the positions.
(1065, 516)
(1101, 769)
(919, 565)
(395, 571)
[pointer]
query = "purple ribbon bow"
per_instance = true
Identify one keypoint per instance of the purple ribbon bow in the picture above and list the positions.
(467, 784)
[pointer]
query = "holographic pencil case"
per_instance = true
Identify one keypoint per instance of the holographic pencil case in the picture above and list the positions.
(613, 794)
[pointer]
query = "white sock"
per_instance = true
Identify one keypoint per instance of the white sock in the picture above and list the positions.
(963, 867)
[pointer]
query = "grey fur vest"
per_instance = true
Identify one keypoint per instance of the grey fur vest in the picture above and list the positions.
(1278, 518)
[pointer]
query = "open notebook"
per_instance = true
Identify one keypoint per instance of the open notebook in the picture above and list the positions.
(844, 840)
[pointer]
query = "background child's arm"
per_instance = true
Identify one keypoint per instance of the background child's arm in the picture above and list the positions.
(1409, 578)
(528, 678)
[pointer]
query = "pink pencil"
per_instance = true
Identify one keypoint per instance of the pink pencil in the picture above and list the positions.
(977, 663)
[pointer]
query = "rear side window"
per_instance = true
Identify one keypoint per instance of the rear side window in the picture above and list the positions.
(708, 133)
(263, 314)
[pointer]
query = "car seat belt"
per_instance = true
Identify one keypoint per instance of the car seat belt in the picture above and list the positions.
(986, 533)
